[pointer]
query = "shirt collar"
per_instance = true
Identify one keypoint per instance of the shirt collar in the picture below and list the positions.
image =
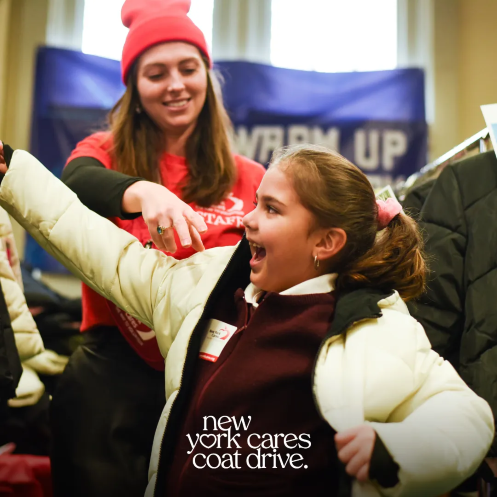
(320, 284)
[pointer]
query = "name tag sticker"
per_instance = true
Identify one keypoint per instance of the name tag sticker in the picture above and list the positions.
(216, 337)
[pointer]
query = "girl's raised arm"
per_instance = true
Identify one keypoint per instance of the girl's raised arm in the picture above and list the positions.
(108, 259)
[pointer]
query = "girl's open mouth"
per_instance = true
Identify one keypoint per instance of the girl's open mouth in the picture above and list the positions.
(258, 253)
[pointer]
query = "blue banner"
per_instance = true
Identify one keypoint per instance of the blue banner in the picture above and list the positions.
(376, 119)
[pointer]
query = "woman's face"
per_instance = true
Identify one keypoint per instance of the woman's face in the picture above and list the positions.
(278, 231)
(172, 84)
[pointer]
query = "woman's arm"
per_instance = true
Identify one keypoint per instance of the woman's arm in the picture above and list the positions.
(114, 194)
(111, 261)
(99, 188)
(160, 207)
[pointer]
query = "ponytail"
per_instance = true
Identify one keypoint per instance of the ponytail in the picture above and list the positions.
(339, 195)
(395, 261)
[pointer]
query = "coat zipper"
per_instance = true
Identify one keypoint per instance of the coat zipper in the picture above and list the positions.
(188, 353)
(211, 379)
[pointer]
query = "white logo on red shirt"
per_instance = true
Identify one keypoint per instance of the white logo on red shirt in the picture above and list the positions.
(229, 212)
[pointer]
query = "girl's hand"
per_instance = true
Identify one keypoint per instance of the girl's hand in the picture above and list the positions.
(3, 164)
(355, 447)
(160, 207)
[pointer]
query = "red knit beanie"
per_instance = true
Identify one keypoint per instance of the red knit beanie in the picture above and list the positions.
(156, 21)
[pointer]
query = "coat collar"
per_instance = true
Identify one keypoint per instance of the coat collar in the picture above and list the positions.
(355, 306)
(320, 284)
(351, 307)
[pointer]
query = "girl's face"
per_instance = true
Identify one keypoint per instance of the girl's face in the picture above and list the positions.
(280, 237)
(172, 84)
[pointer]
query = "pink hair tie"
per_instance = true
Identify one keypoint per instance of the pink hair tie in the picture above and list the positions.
(387, 210)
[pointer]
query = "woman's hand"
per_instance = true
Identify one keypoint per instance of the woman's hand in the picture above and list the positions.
(3, 164)
(355, 447)
(160, 207)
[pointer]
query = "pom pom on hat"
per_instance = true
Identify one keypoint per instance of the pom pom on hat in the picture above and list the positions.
(134, 10)
(157, 21)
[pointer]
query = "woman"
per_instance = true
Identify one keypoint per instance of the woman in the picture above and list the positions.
(290, 353)
(169, 135)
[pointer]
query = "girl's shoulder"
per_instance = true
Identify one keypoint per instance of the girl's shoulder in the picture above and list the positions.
(395, 331)
(97, 146)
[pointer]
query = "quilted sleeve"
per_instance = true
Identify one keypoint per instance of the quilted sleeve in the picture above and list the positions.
(439, 434)
(110, 260)
(441, 309)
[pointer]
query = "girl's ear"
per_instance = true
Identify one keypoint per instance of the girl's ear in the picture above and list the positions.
(331, 242)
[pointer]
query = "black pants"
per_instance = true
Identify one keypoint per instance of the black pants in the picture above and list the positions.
(27, 427)
(103, 416)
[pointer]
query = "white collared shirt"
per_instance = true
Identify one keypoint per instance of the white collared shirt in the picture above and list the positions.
(320, 284)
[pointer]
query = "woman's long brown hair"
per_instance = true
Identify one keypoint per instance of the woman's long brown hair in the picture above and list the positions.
(138, 144)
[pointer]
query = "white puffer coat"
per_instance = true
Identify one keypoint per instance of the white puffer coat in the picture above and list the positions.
(379, 370)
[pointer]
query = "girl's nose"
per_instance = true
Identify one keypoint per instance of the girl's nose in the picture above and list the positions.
(249, 220)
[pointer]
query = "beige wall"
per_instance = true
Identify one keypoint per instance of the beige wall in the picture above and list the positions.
(444, 129)
(27, 30)
(465, 69)
(23, 27)
(477, 69)
(22, 30)
(5, 7)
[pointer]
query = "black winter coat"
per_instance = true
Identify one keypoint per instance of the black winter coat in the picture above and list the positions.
(459, 309)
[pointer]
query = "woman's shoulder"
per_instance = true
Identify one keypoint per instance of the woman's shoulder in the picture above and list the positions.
(96, 146)
(250, 167)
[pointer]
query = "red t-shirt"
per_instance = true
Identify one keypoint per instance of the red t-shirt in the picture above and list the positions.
(224, 221)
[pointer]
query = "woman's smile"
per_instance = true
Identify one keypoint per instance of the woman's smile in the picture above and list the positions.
(177, 104)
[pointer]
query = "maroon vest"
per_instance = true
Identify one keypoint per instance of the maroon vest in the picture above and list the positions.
(263, 376)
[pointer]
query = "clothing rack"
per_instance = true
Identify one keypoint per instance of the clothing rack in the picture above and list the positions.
(478, 143)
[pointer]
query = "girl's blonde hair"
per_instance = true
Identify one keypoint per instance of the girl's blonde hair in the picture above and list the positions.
(340, 196)
(138, 144)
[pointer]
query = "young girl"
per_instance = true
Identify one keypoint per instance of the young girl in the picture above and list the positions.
(289, 357)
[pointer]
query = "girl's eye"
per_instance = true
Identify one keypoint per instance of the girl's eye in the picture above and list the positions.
(188, 70)
(154, 76)
(269, 208)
